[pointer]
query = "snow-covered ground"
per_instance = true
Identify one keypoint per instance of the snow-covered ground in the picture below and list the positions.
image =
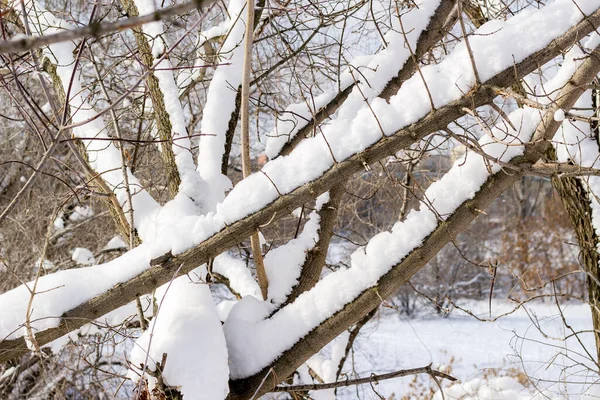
(472, 350)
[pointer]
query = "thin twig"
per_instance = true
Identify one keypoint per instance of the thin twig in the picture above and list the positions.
(359, 381)
(97, 29)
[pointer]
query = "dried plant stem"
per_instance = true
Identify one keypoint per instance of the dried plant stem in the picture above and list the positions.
(246, 168)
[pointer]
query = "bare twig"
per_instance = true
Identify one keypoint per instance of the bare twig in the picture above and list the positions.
(359, 381)
(96, 29)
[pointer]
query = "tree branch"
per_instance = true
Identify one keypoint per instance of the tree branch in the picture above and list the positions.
(96, 30)
(435, 31)
(161, 116)
(445, 232)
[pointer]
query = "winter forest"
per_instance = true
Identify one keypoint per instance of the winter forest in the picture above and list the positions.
(300, 199)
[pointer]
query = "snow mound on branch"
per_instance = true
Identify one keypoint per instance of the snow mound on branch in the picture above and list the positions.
(83, 256)
(219, 106)
(384, 250)
(371, 72)
(188, 329)
(239, 275)
(81, 212)
(284, 264)
(115, 243)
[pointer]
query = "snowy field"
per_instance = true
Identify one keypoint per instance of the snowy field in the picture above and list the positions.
(481, 354)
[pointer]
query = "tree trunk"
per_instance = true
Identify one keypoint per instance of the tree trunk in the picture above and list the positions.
(576, 202)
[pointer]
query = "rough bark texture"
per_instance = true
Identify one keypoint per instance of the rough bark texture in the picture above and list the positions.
(231, 132)
(576, 201)
(161, 116)
(315, 257)
(165, 267)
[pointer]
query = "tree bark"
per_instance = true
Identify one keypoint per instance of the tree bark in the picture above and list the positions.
(576, 201)
(161, 116)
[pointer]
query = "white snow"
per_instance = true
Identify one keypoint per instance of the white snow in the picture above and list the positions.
(371, 72)
(115, 243)
(81, 212)
(383, 251)
(103, 156)
(29, 340)
(367, 264)
(191, 184)
(186, 77)
(220, 104)
(501, 388)
(326, 367)
(47, 265)
(471, 350)
(59, 223)
(187, 328)
(283, 264)
(559, 115)
(83, 256)
(239, 275)
(63, 290)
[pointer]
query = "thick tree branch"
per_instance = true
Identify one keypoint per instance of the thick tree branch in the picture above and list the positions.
(315, 257)
(446, 231)
(435, 31)
(576, 201)
(161, 116)
(315, 260)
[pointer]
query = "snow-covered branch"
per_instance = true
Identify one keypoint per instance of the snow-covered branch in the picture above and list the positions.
(283, 185)
(379, 75)
(221, 105)
(391, 258)
(169, 115)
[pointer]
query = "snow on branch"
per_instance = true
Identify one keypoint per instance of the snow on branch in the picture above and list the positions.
(365, 78)
(284, 263)
(283, 185)
(391, 258)
(407, 59)
(103, 156)
(220, 106)
(191, 184)
(382, 252)
(237, 273)
(187, 329)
